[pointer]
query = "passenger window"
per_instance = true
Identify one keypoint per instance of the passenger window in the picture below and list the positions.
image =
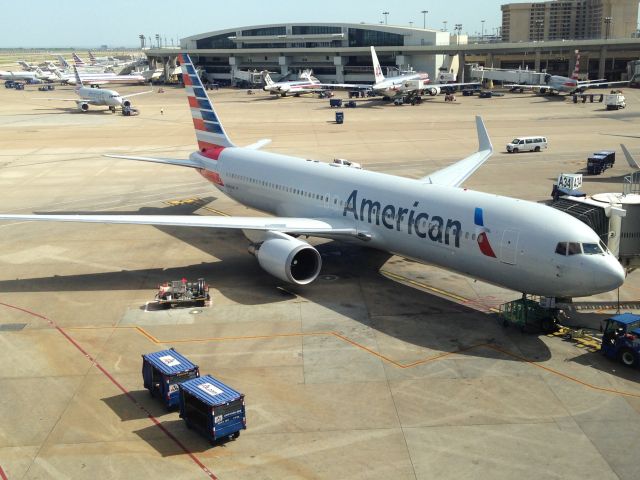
(529, 141)
(561, 248)
(574, 248)
(591, 248)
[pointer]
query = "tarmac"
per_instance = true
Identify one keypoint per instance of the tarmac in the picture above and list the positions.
(382, 368)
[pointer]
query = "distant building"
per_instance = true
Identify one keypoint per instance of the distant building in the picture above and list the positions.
(569, 19)
(336, 52)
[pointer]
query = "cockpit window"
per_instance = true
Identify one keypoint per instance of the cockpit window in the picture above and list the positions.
(561, 248)
(591, 248)
(603, 246)
(574, 248)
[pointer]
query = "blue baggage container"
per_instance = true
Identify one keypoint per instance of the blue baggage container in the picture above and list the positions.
(163, 371)
(214, 409)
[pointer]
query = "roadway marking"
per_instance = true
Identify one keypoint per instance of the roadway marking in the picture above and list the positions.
(128, 394)
(438, 291)
(389, 360)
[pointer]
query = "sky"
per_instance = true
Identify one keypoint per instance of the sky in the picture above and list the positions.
(75, 23)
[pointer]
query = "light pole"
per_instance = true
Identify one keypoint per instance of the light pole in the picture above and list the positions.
(410, 24)
(385, 17)
(424, 19)
(458, 28)
(158, 39)
(482, 30)
(607, 26)
(444, 25)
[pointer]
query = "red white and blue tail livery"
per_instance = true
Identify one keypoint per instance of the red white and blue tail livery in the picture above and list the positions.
(210, 133)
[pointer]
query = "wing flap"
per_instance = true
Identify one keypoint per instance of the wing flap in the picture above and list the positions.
(273, 224)
(454, 175)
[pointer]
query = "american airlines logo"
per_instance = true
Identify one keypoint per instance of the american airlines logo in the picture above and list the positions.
(378, 70)
(413, 221)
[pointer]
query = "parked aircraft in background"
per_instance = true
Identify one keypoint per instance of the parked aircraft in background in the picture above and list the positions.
(97, 96)
(555, 84)
(99, 78)
(306, 84)
(34, 77)
(524, 246)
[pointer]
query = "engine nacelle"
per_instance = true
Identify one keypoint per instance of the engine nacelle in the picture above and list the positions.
(84, 106)
(288, 258)
(433, 91)
(126, 103)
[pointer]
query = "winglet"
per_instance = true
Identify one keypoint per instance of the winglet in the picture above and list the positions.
(484, 142)
(259, 144)
(630, 160)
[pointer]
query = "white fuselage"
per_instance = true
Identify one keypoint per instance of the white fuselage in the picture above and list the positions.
(563, 84)
(292, 88)
(99, 96)
(426, 222)
(394, 86)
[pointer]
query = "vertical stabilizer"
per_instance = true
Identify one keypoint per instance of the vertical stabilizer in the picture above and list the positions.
(576, 70)
(92, 58)
(77, 60)
(210, 133)
(266, 76)
(78, 79)
(377, 69)
(63, 62)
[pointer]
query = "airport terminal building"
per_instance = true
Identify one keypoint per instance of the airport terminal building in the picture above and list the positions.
(336, 52)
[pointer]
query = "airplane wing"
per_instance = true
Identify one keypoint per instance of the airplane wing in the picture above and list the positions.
(532, 87)
(630, 160)
(457, 173)
(303, 226)
(599, 84)
(139, 93)
(167, 161)
(63, 99)
(441, 85)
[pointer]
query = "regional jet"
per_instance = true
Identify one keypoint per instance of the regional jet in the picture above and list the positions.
(97, 96)
(524, 246)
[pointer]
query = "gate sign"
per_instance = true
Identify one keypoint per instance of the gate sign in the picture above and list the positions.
(570, 181)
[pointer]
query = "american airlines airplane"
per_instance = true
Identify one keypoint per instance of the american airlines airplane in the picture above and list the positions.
(306, 84)
(555, 84)
(411, 83)
(97, 96)
(520, 245)
(99, 78)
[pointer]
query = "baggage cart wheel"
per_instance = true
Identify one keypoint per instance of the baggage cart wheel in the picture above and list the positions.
(628, 357)
(236, 435)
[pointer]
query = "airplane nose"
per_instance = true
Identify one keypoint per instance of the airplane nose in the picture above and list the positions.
(611, 276)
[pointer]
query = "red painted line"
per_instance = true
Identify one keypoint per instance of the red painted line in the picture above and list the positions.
(155, 421)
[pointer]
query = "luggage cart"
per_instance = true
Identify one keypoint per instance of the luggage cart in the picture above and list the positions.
(163, 371)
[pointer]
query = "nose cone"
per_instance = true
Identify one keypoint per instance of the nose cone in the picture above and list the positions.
(610, 276)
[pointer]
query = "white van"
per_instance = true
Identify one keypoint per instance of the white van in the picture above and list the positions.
(527, 144)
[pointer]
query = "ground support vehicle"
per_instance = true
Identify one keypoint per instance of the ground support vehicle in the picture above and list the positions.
(600, 161)
(212, 408)
(614, 101)
(621, 339)
(163, 371)
(529, 316)
(183, 293)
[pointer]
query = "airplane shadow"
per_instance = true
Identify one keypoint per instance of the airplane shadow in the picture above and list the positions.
(411, 315)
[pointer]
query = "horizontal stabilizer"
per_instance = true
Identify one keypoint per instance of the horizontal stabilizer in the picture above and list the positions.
(186, 162)
(259, 144)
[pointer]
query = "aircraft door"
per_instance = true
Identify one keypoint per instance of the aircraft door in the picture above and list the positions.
(509, 246)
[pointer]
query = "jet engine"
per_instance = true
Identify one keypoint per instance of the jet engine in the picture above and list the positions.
(83, 106)
(126, 103)
(288, 258)
(433, 91)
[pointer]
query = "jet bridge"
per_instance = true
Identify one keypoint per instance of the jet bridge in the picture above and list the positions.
(615, 217)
